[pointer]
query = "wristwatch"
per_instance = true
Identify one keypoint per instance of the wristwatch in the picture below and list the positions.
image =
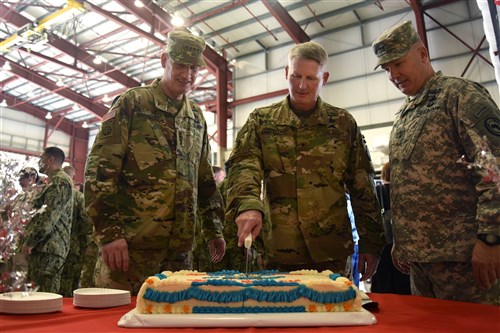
(490, 240)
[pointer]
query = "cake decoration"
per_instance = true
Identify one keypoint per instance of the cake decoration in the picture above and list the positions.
(257, 292)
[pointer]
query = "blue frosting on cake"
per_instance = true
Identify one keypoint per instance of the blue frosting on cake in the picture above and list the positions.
(254, 309)
(261, 278)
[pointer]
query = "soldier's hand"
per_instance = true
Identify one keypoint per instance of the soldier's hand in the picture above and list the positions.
(367, 265)
(485, 264)
(26, 249)
(401, 266)
(249, 222)
(217, 248)
(115, 255)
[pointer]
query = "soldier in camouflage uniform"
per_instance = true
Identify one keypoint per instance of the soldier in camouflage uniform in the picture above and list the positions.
(89, 262)
(235, 257)
(304, 151)
(148, 176)
(47, 239)
(446, 222)
(201, 253)
(81, 229)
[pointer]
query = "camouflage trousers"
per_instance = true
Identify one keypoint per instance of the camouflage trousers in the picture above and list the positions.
(87, 276)
(70, 277)
(45, 269)
(201, 255)
(452, 281)
(336, 266)
(235, 257)
(142, 263)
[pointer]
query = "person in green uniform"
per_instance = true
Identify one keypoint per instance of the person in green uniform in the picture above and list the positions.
(81, 231)
(47, 239)
(148, 176)
(301, 151)
(445, 213)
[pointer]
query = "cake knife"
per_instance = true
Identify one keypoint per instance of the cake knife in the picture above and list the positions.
(248, 245)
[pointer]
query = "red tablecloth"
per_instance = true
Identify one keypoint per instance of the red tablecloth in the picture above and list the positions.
(396, 313)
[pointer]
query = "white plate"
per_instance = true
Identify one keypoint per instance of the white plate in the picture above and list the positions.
(100, 305)
(31, 302)
(99, 292)
(100, 297)
(133, 319)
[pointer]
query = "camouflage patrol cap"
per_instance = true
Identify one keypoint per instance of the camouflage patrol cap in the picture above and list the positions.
(185, 48)
(28, 172)
(395, 43)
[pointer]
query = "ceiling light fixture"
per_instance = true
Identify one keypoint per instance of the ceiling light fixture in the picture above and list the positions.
(4, 103)
(177, 20)
(75, 107)
(138, 3)
(85, 125)
(48, 116)
(59, 83)
(97, 60)
(106, 98)
(6, 66)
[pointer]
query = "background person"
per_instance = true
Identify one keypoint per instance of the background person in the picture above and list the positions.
(304, 150)
(388, 279)
(445, 214)
(148, 176)
(47, 238)
(81, 233)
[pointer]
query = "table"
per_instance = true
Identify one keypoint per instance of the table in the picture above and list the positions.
(396, 313)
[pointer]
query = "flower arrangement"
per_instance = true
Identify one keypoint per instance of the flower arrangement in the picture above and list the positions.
(16, 210)
(485, 164)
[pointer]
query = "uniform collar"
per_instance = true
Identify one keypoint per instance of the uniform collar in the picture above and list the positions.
(285, 116)
(422, 94)
(162, 101)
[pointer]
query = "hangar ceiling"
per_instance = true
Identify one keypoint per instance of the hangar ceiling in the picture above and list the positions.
(67, 59)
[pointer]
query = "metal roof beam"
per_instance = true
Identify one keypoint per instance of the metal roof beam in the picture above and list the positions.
(156, 16)
(97, 109)
(287, 22)
(65, 125)
(72, 50)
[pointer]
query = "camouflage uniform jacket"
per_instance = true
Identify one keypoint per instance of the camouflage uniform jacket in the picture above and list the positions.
(81, 229)
(303, 166)
(148, 172)
(49, 229)
(438, 204)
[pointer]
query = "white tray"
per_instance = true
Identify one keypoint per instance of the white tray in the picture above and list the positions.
(133, 319)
